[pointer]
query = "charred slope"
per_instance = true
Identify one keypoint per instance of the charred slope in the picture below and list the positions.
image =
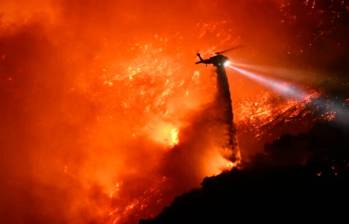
(296, 176)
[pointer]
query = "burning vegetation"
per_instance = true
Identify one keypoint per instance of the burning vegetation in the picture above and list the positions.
(105, 118)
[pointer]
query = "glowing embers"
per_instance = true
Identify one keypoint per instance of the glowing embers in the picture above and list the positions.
(329, 108)
(278, 86)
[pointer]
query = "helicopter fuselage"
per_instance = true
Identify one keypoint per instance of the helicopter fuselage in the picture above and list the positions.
(217, 60)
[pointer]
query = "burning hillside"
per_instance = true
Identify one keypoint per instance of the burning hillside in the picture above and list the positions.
(293, 177)
(105, 118)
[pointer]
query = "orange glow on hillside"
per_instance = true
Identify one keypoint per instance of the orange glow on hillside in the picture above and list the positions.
(104, 115)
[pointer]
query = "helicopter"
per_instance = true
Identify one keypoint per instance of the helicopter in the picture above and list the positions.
(219, 60)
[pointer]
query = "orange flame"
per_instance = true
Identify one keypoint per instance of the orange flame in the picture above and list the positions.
(92, 92)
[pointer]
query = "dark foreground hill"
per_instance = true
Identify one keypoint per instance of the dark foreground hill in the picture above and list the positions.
(297, 177)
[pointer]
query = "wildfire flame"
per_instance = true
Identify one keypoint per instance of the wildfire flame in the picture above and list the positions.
(164, 133)
(105, 118)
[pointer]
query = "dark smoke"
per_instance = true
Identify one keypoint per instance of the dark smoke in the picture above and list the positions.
(211, 129)
(67, 118)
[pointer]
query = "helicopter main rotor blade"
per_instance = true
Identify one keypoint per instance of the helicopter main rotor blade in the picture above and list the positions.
(229, 49)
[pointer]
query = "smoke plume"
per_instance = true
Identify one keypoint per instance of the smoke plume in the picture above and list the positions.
(104, 116)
